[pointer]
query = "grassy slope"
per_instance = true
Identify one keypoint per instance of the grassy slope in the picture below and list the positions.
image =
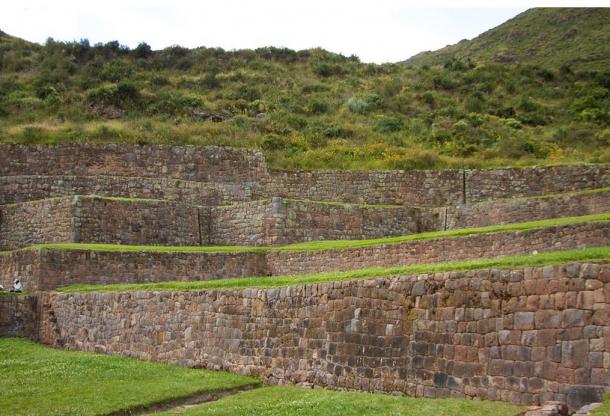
(35, 380)
(547, 36)
(285, 401)
(556, 257)
(322, 110)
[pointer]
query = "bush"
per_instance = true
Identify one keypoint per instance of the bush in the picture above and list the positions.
(324, 69)
(387, 124)
(122, 94)
(358, 105)
(363, 104)
(318, 107)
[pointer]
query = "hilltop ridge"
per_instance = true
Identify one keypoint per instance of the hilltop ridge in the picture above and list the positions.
(575, 37)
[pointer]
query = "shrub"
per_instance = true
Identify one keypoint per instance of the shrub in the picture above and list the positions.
(116, 70)
(387, 124)
(364, 104)
(318, 107)
(324, 69)
(122, 94)
(358, 105)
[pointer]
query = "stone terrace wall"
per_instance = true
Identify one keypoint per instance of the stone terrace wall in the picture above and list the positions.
(26, 188)
(448, 187)
(47, 221)
(202, 164)
(475, 246)
(150, 222)
(526, 335)
(371, 187)
(522, 210)
(23, 265)
(241, 224)
(51, 268)
(285, 221)
(298, 221)
(18, 316)
(54, 268)
(484, 184)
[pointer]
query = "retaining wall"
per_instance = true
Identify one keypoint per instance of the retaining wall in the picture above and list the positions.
(475, 246)
(527, 335)
(447, 187)
(202, 164)
(19, 316)
(45, 269)
(526, 209)
(112, 221)
(46, 221)
(285, 221)
(27, 188)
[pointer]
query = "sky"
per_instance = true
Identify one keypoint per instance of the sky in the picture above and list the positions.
(376, 30)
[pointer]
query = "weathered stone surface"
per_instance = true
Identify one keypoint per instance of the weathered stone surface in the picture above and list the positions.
(367, 334)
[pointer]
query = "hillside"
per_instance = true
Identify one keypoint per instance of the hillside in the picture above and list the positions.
(553, 37)
(316, 109)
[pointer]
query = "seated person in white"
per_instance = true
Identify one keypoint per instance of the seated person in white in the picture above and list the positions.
(17, 286)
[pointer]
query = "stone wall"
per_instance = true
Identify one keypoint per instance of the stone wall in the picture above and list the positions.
(285, 221)
(46, 221)
(46, 269)
(370, 187)
(527, 209)
(485, 184)
(475, 246)
(27, 188)
(447, 187)
(527, 335)
(149, 222)
(247, 223)
(201, 164)
(19, 316)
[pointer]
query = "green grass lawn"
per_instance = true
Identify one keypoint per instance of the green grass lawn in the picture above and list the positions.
(333, 244)
(555, 257)
(35, 380)
(288, 401)
(604, 410)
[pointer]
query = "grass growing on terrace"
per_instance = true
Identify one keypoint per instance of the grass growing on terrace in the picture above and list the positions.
(285, 401)
(35, 380)
(598, 253)
(604, 410)
(334, 244)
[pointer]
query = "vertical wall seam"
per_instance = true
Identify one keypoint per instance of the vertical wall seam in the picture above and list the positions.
(445, 227)
(463, 186)
(199, 225)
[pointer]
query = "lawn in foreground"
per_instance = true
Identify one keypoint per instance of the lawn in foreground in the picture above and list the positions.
(35, 380)
(288, 401)
(604, 410)
(541, 259)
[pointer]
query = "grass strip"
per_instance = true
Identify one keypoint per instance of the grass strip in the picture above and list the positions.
(290, 400)
(330, 244)
(555, 257)
(36, 380)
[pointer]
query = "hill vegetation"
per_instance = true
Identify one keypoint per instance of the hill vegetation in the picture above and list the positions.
(577, 38)
(314, 109)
